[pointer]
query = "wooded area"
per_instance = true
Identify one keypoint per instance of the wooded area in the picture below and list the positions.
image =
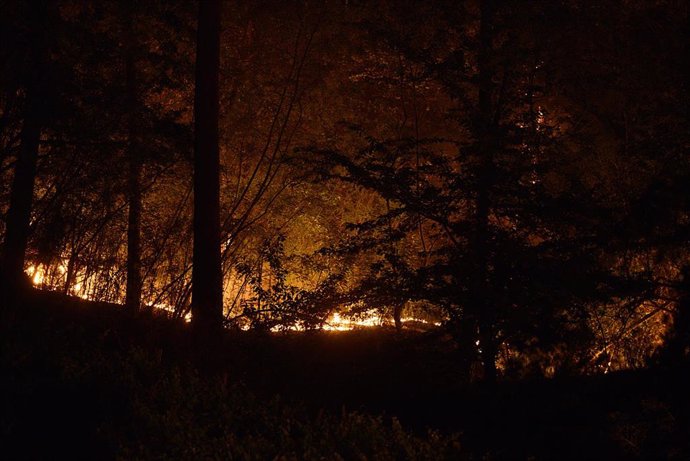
(476, 207)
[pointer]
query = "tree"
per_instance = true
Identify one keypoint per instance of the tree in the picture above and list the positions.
(207, 280)
(486, 130)
(133, 291)
(518, 258)
(18, 216)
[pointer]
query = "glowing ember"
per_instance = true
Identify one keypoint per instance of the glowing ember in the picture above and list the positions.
(37, 274)
(338, 323)
(335, 322)
(369, 319)
(170, 309)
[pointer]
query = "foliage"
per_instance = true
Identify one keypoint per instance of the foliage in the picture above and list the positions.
(578, 254)
(278, 305)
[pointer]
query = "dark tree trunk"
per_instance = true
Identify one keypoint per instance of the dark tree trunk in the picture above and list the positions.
(397, 316)
(134, 283)
(19, 214)
(677, 350)
(21, 198)
(69, 273)
(207, 281)
(482, 239)
(465, 332)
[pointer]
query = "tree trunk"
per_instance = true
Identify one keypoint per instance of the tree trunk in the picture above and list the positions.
(207, 281)
(21, 197)
(486, 138)
(134, 282)
(69, 272)
(677, 349)
(397, 316)
(465, 333)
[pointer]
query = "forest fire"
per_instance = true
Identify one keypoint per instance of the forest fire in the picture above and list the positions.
(370, 318)
(470, 215)
(337, 323)
(37, 275)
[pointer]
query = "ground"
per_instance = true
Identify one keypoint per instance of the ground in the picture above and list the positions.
(83, 380)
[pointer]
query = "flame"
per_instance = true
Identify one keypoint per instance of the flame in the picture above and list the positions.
(368, 319)
(36, 273)
(171, 309)
(338, 323)
(335, 322)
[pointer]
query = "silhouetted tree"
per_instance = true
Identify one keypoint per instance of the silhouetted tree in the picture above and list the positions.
(207, 280)
(134, 195)
(520, 259)
(18, 216)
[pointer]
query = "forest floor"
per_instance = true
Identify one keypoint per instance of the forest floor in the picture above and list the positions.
(81, 380)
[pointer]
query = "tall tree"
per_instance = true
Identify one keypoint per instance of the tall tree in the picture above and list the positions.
(486, 134)
(19, 214)
(133, 294)
(207, 280)
(516, 248)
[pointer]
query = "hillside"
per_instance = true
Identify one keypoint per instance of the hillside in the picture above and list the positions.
(82, 380)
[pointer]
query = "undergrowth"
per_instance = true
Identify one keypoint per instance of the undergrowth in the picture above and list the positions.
(74, 390)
